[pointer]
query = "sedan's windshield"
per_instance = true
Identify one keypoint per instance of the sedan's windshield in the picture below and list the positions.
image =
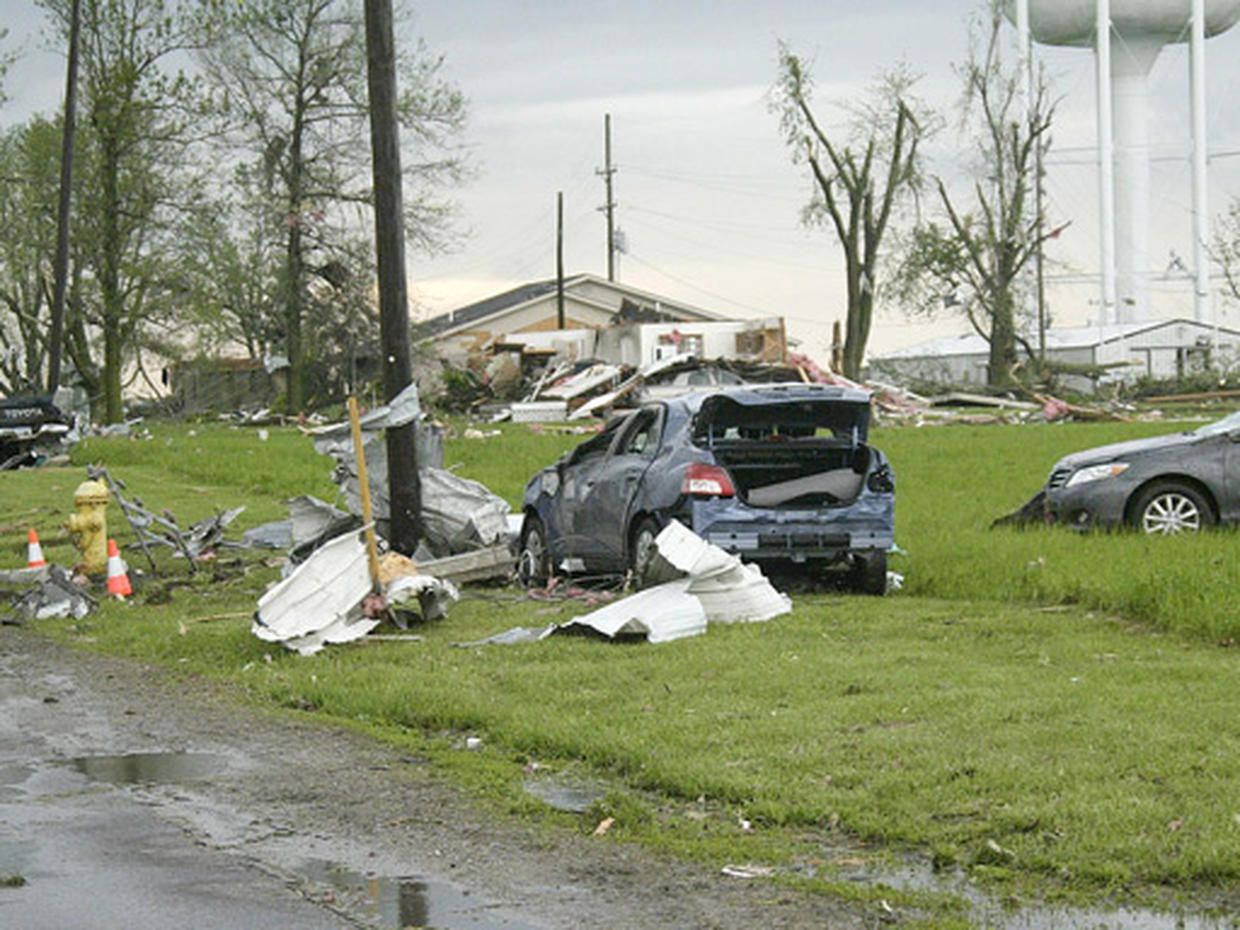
(1225, 425)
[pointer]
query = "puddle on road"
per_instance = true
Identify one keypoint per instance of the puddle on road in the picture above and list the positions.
(150, 767)
(565, 792)
(409, 901)
(12, 777)
(987, 914)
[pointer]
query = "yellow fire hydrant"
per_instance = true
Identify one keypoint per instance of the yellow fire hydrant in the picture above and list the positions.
(89, 526)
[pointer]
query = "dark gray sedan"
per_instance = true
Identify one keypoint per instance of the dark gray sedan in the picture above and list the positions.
(1165, 484)
(774, 473)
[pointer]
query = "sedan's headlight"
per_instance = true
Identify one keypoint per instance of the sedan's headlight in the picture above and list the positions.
(1095, 472)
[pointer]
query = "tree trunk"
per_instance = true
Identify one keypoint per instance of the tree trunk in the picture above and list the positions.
(296, 397)
(294, 270)
(860, 310)
(1002, 342)
(109, 282)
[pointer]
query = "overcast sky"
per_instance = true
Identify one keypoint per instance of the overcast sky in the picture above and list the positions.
(707, 197)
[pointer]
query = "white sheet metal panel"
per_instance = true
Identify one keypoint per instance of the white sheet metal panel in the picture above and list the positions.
(662, 613)
(540, 411)
(341, 630)
(743, 595)
(321, 591)
(691, 553)
(729, 590)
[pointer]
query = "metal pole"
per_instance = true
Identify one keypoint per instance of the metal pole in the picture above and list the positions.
(1201, 218)
(1026, 60)
(559, 260)
(1106, 164)
(404, 488)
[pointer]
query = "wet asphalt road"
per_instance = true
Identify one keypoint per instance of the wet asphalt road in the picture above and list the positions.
(96, 854)
(131, 798)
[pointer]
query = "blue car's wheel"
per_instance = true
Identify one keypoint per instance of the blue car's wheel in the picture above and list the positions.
(642, 553)
(869, 572)
(534, 558)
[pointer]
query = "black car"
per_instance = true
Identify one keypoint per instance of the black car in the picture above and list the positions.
(1165, 484)
(773, 473)
(30, 428)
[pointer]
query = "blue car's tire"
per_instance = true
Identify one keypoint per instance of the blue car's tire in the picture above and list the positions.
(643, 554)
(869, 572)
(533, 557)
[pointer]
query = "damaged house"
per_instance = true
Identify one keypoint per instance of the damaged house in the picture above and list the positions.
(603, 320)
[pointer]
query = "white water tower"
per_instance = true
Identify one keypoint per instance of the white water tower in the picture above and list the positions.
(1127, 36)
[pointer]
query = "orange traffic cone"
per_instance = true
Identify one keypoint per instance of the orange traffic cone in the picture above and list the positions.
(34, 552)
(118, 578)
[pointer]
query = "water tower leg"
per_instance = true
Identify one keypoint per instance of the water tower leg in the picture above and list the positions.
(1131, 60)
(1201, 210)
(1106, 165)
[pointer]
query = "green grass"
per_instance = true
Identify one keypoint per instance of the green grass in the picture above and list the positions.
(953, 481)
(1046, 711)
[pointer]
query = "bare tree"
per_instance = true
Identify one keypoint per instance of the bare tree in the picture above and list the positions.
(28, 159)
(973, 261)
(1225, 250)
(861, 173)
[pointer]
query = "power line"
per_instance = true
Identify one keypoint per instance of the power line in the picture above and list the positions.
(695, 287)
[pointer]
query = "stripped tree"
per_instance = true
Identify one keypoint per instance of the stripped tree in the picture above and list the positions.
(973, 260)
(862, 172)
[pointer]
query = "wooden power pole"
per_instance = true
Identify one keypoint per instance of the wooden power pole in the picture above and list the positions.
(60, 265)
(404, 488)
(607, 171)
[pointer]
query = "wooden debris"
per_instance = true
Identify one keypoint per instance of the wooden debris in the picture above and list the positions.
(1190, 398)
(479, 565)
(963, 399)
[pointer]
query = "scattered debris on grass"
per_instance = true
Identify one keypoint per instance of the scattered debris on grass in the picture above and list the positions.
(331, 597)
(24, 576)
(717, 587)
(554, 388)
(151, 529)
(458, 515)
(58, 594)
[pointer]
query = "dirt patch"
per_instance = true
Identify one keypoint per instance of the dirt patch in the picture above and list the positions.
(294, 795)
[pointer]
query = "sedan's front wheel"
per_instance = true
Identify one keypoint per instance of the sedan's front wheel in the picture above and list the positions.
(1170, 507)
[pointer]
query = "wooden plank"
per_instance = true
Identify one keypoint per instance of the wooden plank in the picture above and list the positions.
(1189, 398)
(479, 565)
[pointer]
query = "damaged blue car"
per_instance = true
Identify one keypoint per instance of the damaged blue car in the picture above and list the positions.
(774, 473)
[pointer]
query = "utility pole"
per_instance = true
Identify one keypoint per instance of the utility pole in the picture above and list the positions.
(559, 260)
(404, 488)
(60, 266)
(609, 207)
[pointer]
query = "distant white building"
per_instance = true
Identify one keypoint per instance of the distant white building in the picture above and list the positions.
(1154, 348)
